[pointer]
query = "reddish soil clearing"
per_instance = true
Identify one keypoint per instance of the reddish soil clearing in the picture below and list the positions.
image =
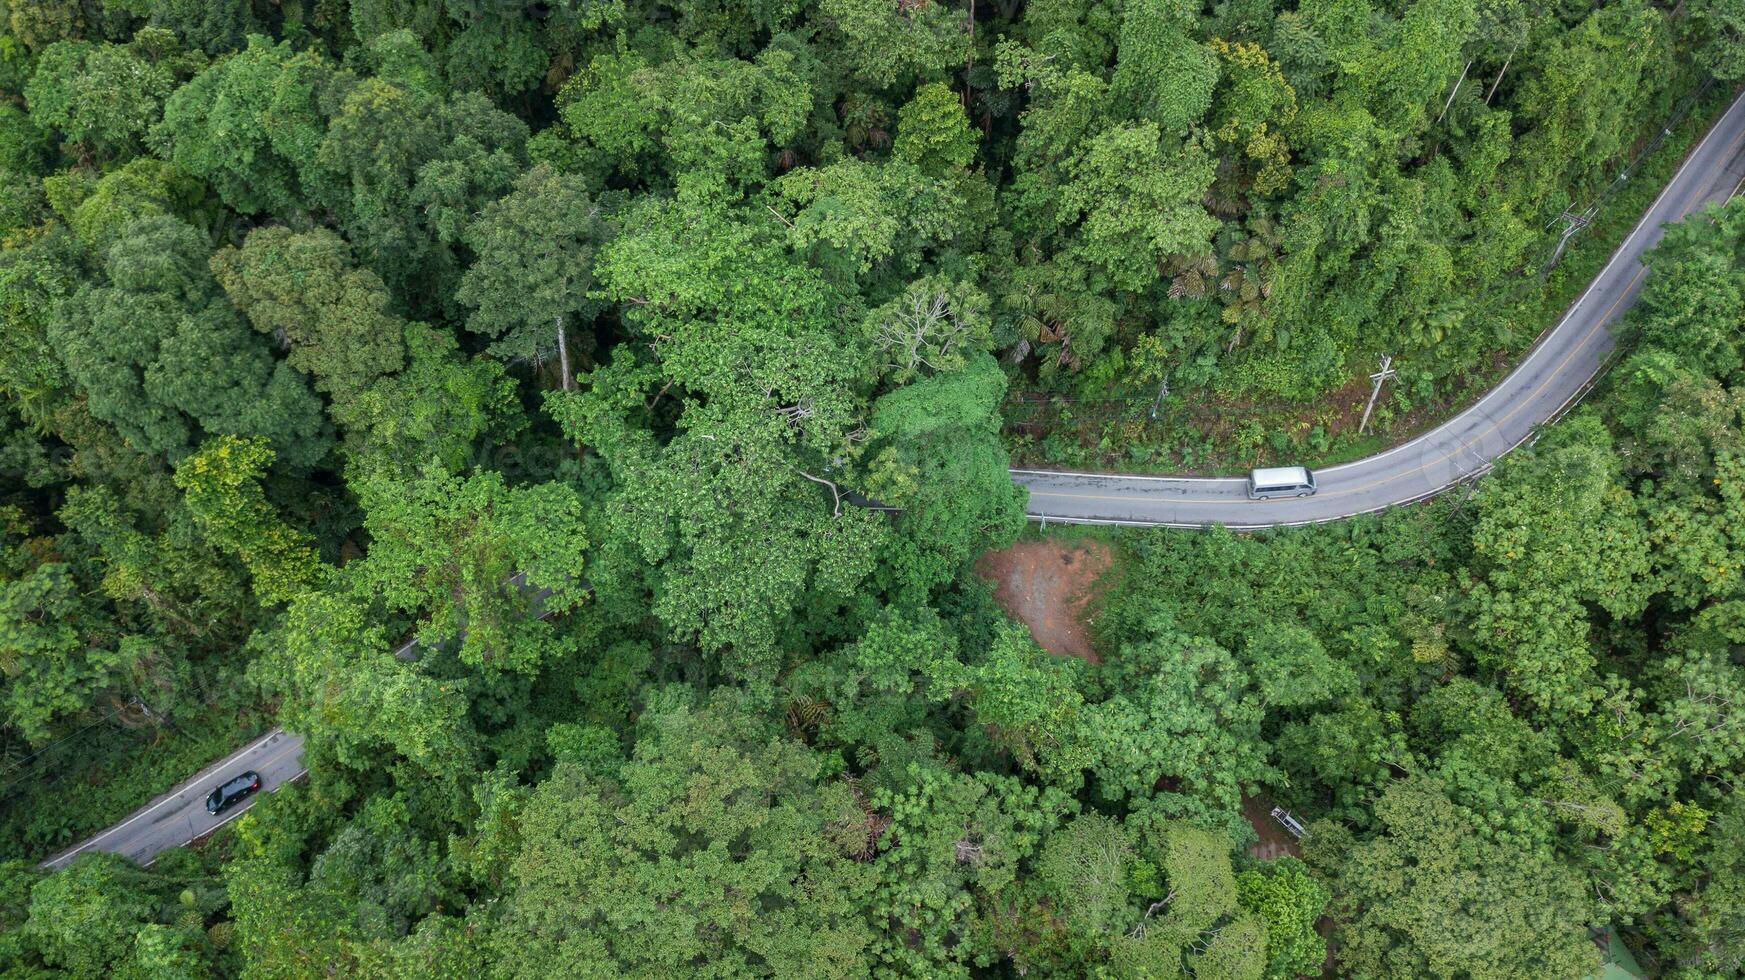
(1047, 585)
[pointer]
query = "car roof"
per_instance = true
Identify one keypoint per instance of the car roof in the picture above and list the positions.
(1289, 475)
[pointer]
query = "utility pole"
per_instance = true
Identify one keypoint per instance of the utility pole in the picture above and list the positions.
(1387, 371)
(1573, 223)
(1162, 393)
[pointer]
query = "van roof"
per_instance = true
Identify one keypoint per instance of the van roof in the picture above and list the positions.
(1280, 475)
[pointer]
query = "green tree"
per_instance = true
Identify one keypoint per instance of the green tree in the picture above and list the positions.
(932, 131)
(1289, 901)
(250, 126)
(1434, 896)
(58, 649)
(941, 461)
(85, 918)
(887, 45)
(222, 483)
(441, 407)
(303, 290)
(483, 560)
(1162, 75)
(162, 356)
(534, 269)
(721, 845)
(1180, 713)
(1717, 29)
(1556, 532)
(101, 97)
(1136, 205)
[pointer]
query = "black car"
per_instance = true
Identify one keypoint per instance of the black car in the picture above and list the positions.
(226, 796)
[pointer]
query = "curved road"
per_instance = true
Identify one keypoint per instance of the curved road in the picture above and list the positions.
(1553, 375)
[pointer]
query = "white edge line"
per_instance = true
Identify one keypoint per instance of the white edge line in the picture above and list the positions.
(1532, 434)
(1645, 223)
(288, 780)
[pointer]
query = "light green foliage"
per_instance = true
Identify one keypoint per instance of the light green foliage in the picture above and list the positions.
(1556, 537)
(1697, 293)
(222, 483)
(84, 919)
(1084, 867)
(250, 126)
(932, 132)
(1161, 901)
(152, 553)
(1162, 75)
(770, 421)
(1029, 702)
(333, 667)
(941, 461)
(53, 649)
(708, 122)
(438, 409)
(854, 217)
(719, 847)
(1256, 113)
(446, 546)
(1434, 896)
(954, 847)
(1291, 668)
(1289, 901)
(141, 188)
(934, 325)
(1135, 204)
(887, 44)
(1717, 28)
(1180, 713)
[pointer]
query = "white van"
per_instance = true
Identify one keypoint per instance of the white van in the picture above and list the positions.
(1280, 481)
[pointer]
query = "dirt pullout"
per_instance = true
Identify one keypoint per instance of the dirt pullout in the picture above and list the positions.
(1047, 586)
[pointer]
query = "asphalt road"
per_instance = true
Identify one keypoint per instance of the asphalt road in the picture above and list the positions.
(1551, 377)
(180, 816)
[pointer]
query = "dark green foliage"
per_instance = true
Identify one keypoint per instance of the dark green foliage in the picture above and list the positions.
(581, 422)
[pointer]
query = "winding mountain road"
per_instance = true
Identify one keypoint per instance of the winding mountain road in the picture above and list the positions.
(1552, 376)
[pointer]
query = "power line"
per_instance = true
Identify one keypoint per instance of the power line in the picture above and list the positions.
(1575, 221)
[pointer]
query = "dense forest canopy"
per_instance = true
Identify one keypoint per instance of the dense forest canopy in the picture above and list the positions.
(569, 338)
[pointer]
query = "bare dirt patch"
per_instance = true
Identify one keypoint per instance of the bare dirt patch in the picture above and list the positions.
(1048, 586)
(1275, 840)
